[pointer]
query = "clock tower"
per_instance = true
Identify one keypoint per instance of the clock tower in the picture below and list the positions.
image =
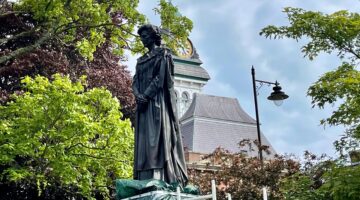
(190, 76)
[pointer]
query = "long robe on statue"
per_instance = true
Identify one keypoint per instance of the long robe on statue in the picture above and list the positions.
(158, 143)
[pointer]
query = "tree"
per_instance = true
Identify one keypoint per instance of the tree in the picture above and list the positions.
(322, 178)
(93, 20)
(305, 184)
(342, 182)
(338, 32)
(62, 140)
(242, 176)
(76, 38)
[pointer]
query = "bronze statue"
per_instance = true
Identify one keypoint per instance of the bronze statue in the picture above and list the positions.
(158, 143)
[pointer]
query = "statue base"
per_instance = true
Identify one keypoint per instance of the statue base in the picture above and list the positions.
(152, 189)
(160, 195)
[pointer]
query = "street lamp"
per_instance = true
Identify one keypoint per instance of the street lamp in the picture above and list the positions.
(277, 96)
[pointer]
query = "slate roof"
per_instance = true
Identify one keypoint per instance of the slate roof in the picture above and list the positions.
(190, 68)
(215, 107)
(213, 121)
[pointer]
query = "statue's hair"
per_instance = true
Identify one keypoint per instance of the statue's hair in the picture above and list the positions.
(154, 30)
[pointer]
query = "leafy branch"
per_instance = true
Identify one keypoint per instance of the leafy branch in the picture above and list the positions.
(21, 51)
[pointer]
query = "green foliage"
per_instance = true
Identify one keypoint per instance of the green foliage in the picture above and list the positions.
(305, 184)
(342, 83)
(177, 24)
(299, 187)
(343, 182)
(322, 178)
(58, 134)
(88, 23)
(96, 19)
(326, 180)
(327, 32)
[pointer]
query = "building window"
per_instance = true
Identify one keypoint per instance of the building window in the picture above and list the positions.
(176, 96)
(185, 99)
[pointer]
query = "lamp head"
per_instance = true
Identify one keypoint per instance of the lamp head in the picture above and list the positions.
(277, 96)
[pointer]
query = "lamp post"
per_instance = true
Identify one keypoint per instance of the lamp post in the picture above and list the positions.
(277, 96)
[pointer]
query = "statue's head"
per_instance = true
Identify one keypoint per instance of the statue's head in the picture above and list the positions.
(150, 34)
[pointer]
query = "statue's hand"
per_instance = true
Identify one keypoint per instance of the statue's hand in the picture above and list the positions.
(141, 99)
(142, 102)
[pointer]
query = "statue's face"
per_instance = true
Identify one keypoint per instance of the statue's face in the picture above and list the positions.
(146, 38)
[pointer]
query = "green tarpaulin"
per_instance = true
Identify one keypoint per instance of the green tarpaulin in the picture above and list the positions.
(128, 188)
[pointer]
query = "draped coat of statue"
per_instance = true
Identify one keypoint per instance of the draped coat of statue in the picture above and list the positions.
(158, 142)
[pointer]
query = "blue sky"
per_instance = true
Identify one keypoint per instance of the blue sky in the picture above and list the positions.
(226, 36)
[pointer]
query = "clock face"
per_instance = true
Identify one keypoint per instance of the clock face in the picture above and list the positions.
(186, 50)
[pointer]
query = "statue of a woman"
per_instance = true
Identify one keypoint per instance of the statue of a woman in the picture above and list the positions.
(158, 143)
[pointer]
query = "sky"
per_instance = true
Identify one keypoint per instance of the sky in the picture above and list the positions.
(226, 37)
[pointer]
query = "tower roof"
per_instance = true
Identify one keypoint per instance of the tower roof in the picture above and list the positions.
(190, 68)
